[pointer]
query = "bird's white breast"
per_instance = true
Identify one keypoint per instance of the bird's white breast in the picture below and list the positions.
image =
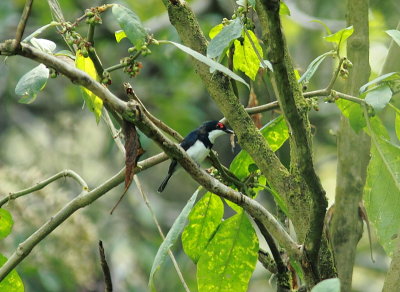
(198, 152)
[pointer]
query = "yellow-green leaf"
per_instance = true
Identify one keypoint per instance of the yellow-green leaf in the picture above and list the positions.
(230, 258)
(94, 103)
(11, 283)
(6, 223)
(119, 35)
(245, 58)
(340, 36)
(204, 220)
(215, 30)
(284, 9)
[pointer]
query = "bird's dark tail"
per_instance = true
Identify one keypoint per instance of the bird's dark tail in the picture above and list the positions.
(164, 183)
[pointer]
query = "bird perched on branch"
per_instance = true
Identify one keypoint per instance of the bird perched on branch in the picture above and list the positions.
(198, 145)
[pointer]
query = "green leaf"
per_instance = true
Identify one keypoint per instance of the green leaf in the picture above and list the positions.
(43, 45)
(6, 223)
(119, 35)
(204, 220)
(379, 97)
(223, 39)
(353, 111)
(275, 132)
(209, 62)
(172, 236)
(130, 24)
(215, 30)
(314, 66)
(245, 58)
(340, 36)
(65, 53)
(395, 35)
(252, 3)
(11, 283)
(328, 285)
(284, 9)
(230, 258)
(382, 191)
(397, 125)
(386, 77)
(94, 103)
(32, 83)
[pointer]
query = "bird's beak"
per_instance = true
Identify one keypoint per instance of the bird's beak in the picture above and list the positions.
(228, 131)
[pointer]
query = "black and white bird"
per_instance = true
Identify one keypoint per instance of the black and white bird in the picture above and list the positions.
(198, 145)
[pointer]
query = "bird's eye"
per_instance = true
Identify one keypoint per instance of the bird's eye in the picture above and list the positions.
(220, 125)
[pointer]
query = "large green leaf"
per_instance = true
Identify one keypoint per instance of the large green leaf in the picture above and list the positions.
(204, 219)
(6, 223)
(275, 132)
(230, 258)
(32, 83)
(328, 285)
(222, 40)
(245, 58)
(395, 35)
(382, 191)
(11, 283)
(130, 24)
(379, 97)
(314, 66)
(94, 103)
(172, 236)
(209, 62)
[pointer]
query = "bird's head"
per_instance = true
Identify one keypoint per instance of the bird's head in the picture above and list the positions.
(215, 129)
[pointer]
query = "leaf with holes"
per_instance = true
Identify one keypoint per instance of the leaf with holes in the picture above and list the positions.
(230, 258)
(94, 103)
(245, 58)
(130, 24)
(32, 83)
(204, 220)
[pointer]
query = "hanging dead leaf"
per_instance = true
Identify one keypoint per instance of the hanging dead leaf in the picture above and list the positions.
(253, 101)
(133, 151)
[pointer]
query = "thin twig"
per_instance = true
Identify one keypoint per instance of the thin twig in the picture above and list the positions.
(105, 269)
(65, 173)
(22, 23)
(153, 215)
(160, 124)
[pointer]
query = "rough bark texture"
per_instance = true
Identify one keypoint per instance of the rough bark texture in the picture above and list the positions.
(353, 152)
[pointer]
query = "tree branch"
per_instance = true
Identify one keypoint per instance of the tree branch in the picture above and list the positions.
(295, 111)
(347, 226)
(41, 185)
(105, 269)
(22, 24)
(219, 88)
